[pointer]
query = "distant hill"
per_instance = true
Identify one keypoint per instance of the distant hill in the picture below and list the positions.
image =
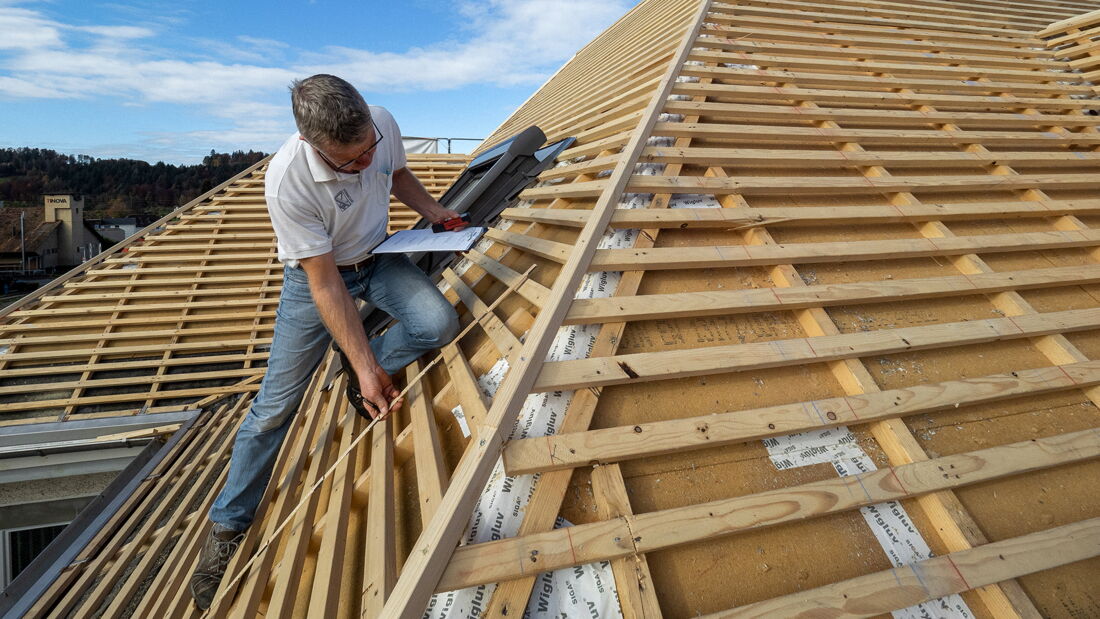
(113, 187)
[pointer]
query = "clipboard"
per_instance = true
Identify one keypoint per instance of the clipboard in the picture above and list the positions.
(424, 240)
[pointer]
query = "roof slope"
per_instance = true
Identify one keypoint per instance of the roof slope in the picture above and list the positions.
(35, 229)
(182, 311)
(809, 215)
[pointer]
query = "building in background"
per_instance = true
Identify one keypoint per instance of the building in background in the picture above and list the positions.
(50, 238)
(114, 229)
(27, 240)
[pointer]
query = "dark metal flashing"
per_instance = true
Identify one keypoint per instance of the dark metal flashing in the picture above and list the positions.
(490, 183)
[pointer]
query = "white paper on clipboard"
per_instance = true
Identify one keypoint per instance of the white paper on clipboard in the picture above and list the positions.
(411, 241)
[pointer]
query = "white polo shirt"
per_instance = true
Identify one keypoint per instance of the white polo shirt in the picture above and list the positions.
(315, 209)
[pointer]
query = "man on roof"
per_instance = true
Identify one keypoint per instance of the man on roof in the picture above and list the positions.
(327, 190)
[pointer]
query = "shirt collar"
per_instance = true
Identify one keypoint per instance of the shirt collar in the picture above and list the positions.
(317, 167)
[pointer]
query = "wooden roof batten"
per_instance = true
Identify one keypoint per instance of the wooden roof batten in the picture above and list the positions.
(859, 223)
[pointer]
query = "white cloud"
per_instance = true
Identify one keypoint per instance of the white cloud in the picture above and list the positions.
(25, 89)
(25, 29)
(117, 32)
(512, 42)
(500, 42)
(262, 44)
(246, 49)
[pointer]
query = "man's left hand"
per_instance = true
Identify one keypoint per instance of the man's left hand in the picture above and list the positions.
(442, 214)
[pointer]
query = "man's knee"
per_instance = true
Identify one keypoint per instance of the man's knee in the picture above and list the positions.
(441, 331)
(260, 425)
(263, 418)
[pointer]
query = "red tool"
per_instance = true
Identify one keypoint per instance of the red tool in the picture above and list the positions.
(453, 223)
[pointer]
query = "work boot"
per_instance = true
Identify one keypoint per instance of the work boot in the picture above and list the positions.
(218, 549)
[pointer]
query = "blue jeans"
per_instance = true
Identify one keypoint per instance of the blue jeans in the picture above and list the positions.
(392, 283)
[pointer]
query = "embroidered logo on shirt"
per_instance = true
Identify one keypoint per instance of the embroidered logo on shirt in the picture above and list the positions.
(343, 200)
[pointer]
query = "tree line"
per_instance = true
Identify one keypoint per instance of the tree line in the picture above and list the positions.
(113, 187)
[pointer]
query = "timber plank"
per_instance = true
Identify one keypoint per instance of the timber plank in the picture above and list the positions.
(746, 133)
(768, 36)
(809, 57)
(750, 112)
(874, 98)
(324, 598)
(725, 218)
(551, 250)
(937, 577)
(764, 186)
(380, 569)
(724, 302)
(534, 292)
(622, 369)
(633, 582)
(465, 385)
(431, 469)
(505, 340)
(729, 75)
(807, 253)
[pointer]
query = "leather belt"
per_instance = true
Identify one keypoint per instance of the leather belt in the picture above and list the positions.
(358, 266)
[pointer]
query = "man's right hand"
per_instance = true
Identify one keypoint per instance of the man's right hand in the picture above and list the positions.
(378, 391)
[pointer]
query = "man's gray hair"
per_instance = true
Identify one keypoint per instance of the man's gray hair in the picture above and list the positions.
(329, 111)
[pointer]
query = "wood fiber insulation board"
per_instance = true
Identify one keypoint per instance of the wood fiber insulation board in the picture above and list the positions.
(898, 588)
(868, 318)
(691, 580)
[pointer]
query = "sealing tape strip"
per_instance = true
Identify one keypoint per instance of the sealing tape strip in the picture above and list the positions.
(890, 524)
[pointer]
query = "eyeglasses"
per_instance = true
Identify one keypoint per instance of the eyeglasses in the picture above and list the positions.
(340, 168)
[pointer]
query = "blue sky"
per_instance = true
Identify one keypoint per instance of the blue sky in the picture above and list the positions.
(170, 81)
